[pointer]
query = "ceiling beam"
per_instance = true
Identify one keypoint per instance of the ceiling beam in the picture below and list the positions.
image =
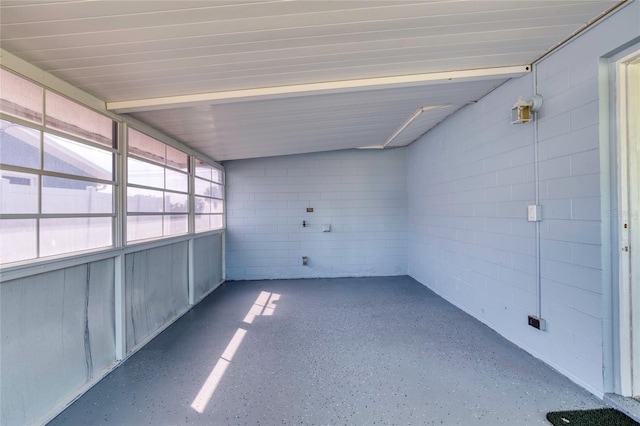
(262, 93)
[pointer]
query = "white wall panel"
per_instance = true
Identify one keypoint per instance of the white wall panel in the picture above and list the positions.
(57, 334)
(156, 289)
(207, 264)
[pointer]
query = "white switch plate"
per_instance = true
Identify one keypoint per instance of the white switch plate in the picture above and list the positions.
(534, 213)
(326, 227)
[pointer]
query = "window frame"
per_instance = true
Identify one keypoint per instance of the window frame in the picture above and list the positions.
(120, 124)
(223, 214)
(164, 215)
(40, 172)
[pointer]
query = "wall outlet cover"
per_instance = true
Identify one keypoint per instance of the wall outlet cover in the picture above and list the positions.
(534, 213)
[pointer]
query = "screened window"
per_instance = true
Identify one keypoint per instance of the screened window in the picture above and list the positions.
(57, 174)
(209, 197)
(20, 98)
(157, 189)
(59, 169)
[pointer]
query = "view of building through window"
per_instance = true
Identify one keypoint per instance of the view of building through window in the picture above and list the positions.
(157, 188)
(57, 174)
(59, 180)
(209, 197)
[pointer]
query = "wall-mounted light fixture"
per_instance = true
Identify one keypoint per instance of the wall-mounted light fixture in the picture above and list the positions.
(522, 111)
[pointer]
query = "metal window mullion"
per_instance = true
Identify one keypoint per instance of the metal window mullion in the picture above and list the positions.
(224, 210)
(21, 121)
(164, 188)
(192, 195)
(191, 228)
(121, 179)
(155, 188)
(156, 214)
(42, 128)
(35, 126)
(55, 215)
(78, 139)
(28, 170)
(120, 319)
(40, 189)
(143, 159)
(44, 106)
(155, 163)
(20, 169)
(209, 197)
(40, 182)
(77, 177)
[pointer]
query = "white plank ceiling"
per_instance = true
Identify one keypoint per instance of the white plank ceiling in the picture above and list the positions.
(242, 79)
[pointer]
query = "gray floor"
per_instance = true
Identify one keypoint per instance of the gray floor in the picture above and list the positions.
(334, 351)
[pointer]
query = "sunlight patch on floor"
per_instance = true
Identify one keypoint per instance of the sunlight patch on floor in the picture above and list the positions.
(263, 306)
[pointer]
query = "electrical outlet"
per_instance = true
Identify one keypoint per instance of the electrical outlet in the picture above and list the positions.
(538, 323)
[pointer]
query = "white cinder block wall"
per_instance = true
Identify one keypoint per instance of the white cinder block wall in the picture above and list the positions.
(470, 180)
(361, 194)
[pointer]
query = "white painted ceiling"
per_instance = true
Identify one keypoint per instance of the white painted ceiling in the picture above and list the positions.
(243, 79)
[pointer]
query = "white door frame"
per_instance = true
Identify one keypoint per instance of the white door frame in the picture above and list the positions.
(627, 109)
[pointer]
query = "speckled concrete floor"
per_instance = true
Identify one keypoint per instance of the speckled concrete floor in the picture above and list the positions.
(329, 352)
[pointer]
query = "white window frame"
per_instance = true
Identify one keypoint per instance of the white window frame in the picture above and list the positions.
(119, 248)
(163, 214)
(41, 172)
(194, 176)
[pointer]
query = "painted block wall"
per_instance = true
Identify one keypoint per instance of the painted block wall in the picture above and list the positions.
(470, 180)
(361, 194)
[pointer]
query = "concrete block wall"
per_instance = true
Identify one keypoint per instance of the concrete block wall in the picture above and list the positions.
(361, 194)
(470, 180)
(573, 188)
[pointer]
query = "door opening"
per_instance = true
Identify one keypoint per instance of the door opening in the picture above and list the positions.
(629, 225)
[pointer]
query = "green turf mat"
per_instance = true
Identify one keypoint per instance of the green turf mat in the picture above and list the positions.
(600, 417)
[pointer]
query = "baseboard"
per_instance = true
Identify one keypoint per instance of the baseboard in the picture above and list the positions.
(629, 406)
(208, 292)
(518, 343)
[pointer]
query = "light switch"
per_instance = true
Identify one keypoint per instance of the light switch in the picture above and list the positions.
(326, 227)
(534, 213)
